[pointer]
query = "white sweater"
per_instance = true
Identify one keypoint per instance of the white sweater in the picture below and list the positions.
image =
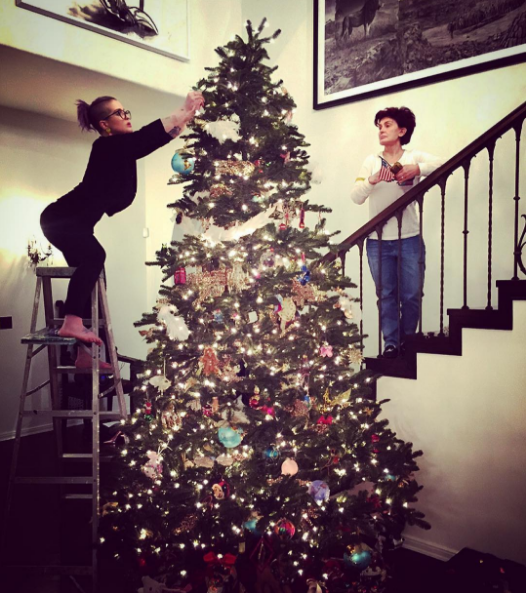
(384, 193)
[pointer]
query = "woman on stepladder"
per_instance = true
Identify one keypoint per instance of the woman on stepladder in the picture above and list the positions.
(383, 179)
(109, 186)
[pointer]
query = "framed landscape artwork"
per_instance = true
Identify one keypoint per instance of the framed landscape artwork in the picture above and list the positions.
(364, 48)
(160, 26)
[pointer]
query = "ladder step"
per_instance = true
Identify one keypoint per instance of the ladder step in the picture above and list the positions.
(48, 570)
(47, 336)
(58, 321)
(72, 414)
(84, 456)
(77, 497)
(57, 272)
(75, 371)
(48, 480)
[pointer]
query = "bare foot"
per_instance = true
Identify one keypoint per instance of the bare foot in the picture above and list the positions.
(84, 361)
(74, 328)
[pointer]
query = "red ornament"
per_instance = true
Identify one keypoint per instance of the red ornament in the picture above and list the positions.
(180, 276)
(302, 220)
(375, 438)
(324, 420)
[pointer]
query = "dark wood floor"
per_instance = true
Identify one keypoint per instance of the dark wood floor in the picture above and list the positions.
(37, 527)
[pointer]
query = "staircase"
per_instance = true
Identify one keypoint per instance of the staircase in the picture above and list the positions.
(447, 339)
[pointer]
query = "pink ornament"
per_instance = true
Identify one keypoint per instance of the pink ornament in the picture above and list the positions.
(326, 350)
(289, 467)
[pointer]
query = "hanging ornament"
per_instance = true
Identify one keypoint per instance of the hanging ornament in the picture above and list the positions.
(285, 530)
(358, 556)
(176, 327)
(148, 411)
(203, 461)
(182, 163)
(224, 129)
(287, 313)
(220, 189)
(302, 218)
(153, 468)
(225, 460)
(319, 490)
(242, 168)
(286, 157)
(305, 276)
(355, 356)
(289, 467)
(229, 437)
(251, 525)
(221, 490)
(209, 363)
(271, 453)
(168, 416)
(326, 350)
(302, 294)
(180, 276)
(161, 382)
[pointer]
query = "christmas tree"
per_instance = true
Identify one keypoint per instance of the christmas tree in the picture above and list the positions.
(257, 454)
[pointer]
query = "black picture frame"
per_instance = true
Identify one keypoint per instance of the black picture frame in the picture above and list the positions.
(329, 64)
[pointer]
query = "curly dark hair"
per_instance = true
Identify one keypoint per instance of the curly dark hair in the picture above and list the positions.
(403, 116)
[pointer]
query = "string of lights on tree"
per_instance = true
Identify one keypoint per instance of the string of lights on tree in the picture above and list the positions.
(258, 453)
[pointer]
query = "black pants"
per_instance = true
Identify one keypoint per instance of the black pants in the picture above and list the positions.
(81, 249)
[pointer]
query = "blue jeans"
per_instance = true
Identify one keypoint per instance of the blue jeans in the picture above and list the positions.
(410, 285)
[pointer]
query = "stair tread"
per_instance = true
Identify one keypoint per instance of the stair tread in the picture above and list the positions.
(47, 336)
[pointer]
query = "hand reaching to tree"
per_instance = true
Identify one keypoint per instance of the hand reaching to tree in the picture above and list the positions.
(175, 123)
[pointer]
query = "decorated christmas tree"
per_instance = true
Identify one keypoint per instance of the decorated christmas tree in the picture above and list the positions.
(257, 454)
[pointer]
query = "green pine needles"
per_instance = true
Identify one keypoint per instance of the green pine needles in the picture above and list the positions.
(257, 453)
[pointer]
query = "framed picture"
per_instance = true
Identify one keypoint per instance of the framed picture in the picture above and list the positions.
(365, 48)
(160, 26)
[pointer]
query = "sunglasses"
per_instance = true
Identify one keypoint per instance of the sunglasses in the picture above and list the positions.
(122, 113)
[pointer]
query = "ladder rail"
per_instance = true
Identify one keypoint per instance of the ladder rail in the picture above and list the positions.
(99, 319)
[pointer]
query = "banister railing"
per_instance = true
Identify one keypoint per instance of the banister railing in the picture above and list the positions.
(439, 178)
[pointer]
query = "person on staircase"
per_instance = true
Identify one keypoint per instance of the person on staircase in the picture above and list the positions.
(383, 179)
(109, 186)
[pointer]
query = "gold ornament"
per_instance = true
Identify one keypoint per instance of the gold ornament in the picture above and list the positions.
(303, 294)
(355, 356)
(220, 189)
(242, 168)
(287, 313)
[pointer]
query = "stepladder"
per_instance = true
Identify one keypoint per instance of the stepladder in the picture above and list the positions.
(68, 487)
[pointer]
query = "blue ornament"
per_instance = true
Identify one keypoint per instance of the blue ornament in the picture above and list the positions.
(251, 525)
(229, 437)
(182, 165)
(357, 557)
(305, 277)
(319, 490)
(218, 316)
(271, 453)
(390, 477)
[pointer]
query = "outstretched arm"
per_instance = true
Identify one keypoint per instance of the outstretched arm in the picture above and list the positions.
(175, 123)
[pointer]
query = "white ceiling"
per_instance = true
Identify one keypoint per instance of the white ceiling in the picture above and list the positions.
(34, 83)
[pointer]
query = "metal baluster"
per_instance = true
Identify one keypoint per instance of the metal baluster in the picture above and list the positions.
(465, 232)
(491, 152)
(516, 250)
(420, 201)
(442, 184)
(399, 216)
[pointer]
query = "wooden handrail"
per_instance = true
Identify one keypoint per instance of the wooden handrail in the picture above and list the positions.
(513, 119)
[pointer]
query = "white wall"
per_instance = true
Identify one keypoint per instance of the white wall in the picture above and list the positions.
(471, 425)
(44, 66)
(449, 116)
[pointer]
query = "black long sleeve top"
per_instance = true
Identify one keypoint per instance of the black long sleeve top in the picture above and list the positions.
(110, 182)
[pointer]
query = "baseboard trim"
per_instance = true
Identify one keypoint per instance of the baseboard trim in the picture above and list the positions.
(29, 430)
(428, 549)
